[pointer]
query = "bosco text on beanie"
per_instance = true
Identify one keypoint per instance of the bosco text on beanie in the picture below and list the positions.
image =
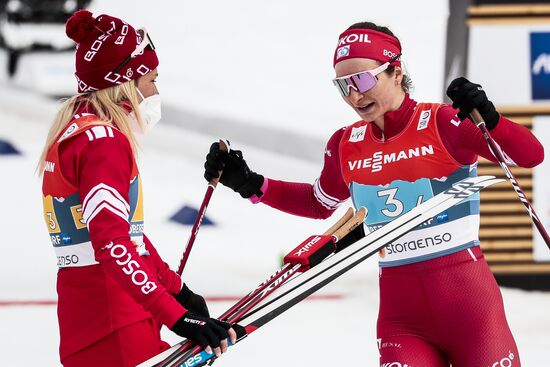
(104, 43)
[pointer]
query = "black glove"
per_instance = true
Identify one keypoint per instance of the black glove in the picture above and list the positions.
(236, 175)
(202, 330)
(193, 302)
(466, 96)
(352, 237)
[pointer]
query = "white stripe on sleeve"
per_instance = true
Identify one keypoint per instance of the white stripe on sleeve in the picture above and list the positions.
(103, 186)
(104, 197)
(99, 131)
(323, 198)
(99, 208)
(90, 135)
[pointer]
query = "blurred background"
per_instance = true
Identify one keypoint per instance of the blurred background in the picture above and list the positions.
(259, 74)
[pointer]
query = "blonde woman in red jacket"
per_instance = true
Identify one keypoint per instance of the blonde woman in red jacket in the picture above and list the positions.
(114, 290)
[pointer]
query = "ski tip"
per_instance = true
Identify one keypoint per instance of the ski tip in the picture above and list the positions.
(488, 180)
(494, 181)
(486, 177)
(484, 181)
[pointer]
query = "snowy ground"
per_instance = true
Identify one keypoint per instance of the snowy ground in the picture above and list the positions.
(228, 259)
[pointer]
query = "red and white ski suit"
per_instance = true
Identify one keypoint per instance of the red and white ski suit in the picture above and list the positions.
(114, 290)
(439, 302)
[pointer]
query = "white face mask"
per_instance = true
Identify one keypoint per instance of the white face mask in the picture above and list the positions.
(150, 111)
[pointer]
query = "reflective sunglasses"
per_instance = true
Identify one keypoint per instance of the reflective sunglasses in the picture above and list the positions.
(362, 81)
(145, 42)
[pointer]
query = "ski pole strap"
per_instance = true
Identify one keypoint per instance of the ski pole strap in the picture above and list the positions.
(311, 252)
(317, 248)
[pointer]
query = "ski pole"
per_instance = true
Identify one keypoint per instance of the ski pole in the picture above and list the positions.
(339, 263)
(497, 152)
(224, 146)
(231, 316)
(305, 256)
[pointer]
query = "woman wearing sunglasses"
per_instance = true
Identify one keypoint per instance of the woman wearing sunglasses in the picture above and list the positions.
(439, 302)
(114, 291)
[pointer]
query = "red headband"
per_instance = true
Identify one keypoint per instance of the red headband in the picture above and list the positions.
(368, 44)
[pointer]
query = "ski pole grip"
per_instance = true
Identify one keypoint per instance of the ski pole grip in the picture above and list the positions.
(357, 219)
(224, 147)
(347, 216)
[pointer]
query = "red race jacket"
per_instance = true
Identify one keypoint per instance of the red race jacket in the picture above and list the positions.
(110, 275)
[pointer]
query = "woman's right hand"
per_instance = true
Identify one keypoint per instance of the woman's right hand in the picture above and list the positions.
(466, 96)
(206, 332)
(236, 175)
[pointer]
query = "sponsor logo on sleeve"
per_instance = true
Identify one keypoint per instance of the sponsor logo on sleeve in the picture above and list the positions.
(505, 362)
(131, 268)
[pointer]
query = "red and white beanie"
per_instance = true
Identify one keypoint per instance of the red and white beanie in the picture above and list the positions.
(104, 43)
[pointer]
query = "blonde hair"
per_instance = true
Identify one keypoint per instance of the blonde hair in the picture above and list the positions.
(106, 105)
